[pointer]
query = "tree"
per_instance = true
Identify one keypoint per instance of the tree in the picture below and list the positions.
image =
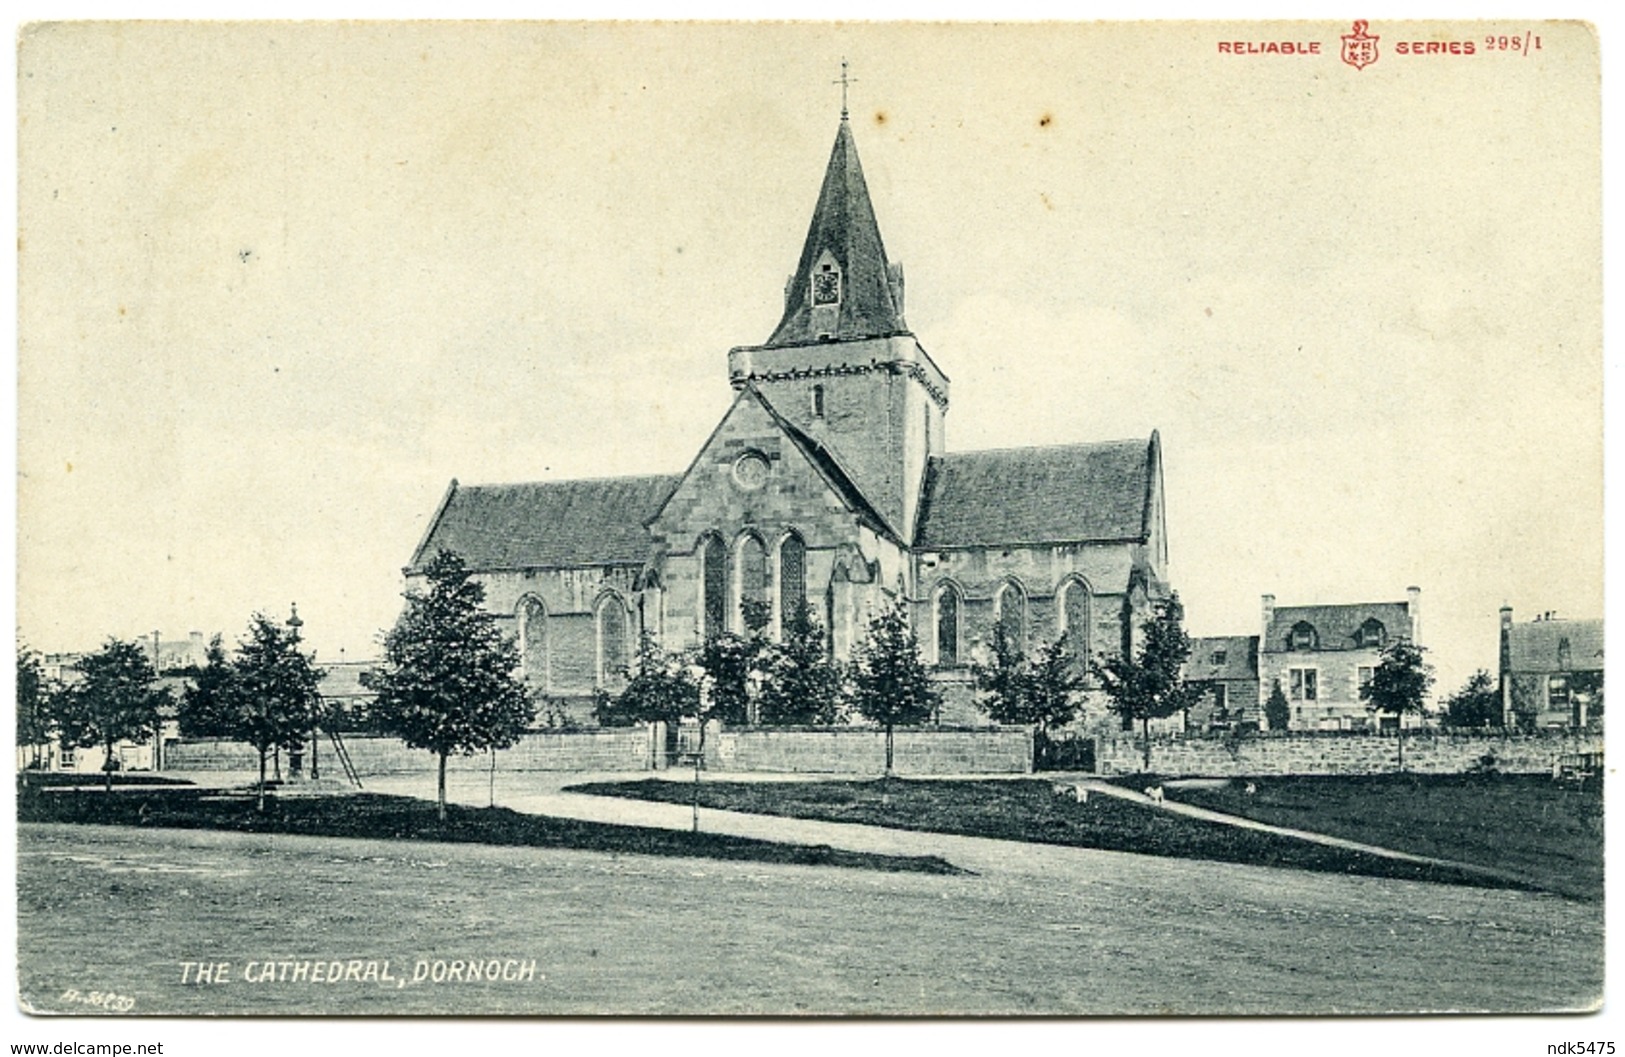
(208, 707)
(1040, 692)
(889, 683)
(661, 688)
(1001, 682)
(1150, 683)
(801, 683)
(1398, 684)
(1053, 680)
(735, 664)
(448, 682)
(269, 691)
(1277, 713)
(36, 725)
(1476, 704)
(116, 699)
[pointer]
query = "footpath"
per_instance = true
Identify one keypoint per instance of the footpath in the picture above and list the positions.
(543, 793)
(1174, 807)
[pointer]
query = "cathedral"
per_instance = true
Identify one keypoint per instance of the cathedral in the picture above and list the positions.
(829, 480)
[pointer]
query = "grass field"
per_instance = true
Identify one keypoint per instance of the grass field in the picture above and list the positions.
(1028, 811)
(1525, 824)
(405, 819)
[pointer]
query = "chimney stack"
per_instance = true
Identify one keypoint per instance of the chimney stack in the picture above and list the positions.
(1269, 617)
(1413, 603)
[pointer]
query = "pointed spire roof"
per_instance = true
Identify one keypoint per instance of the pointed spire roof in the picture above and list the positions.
(870, 299)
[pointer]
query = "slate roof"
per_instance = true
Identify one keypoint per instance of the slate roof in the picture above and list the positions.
(1537, 646)
(1336, 624)
(1240, 658)
(843, 223)
(548, 524)
(1068, 493)
(343, 678)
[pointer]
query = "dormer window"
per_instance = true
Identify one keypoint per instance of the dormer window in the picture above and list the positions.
(1372, 634)
(1303, 636)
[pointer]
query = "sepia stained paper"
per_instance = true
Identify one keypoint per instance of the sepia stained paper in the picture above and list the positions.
(280, 282)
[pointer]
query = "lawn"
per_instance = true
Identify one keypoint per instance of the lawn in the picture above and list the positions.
(407, 819)
(1029, 811)
(1528, 825)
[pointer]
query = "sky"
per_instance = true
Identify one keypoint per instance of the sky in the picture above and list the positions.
(280, 283)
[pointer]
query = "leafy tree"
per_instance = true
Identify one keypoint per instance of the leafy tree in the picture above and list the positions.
(1277, 713)
(1150, 684)
(269, 690)
(448, 681)
(801, 683)
(1398, 684)
(36, 694)
(735, 664)
(1476, 704)
(1001, 683)
(1586, 687)
(116, 699)
(889, 682)
(661, 687)
(208, 707)
(1039, 692)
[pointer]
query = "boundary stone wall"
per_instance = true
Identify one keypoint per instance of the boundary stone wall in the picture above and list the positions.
(1306, 752)
(862, 750)
(826, 750)
(619, 749)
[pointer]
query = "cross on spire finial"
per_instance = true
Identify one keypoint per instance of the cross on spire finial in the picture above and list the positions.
(843, 82)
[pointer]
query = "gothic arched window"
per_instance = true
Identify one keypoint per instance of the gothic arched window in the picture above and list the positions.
(947, 626)
(612, 640)
(714, 589)
(751, 575)
(1075, 617)
(1010, 613)
(532, 640)
(792, 577)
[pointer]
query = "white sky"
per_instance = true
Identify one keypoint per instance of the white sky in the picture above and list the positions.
(280, 283)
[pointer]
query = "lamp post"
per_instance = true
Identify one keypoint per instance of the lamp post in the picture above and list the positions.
(294, 624)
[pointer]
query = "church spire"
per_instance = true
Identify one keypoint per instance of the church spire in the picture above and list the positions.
(843, 289)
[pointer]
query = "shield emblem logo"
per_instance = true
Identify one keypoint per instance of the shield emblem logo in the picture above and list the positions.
(1360, 47)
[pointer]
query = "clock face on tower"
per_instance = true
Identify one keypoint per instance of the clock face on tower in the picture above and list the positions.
(826, 286)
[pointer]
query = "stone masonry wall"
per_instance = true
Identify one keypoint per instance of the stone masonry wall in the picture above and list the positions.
(1426, 752)
(1005, 750)
(623, 749)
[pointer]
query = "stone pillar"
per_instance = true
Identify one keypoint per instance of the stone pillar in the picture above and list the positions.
(1506, 668)
(657, 746)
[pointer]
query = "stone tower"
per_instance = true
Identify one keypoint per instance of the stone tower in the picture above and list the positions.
(842, 364)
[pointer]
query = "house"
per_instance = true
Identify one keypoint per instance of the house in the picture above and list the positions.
(1227, 668)
(1323, 654)
(829, 482)
(1551, 672)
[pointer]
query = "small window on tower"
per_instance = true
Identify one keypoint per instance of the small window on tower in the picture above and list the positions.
(818, 401)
